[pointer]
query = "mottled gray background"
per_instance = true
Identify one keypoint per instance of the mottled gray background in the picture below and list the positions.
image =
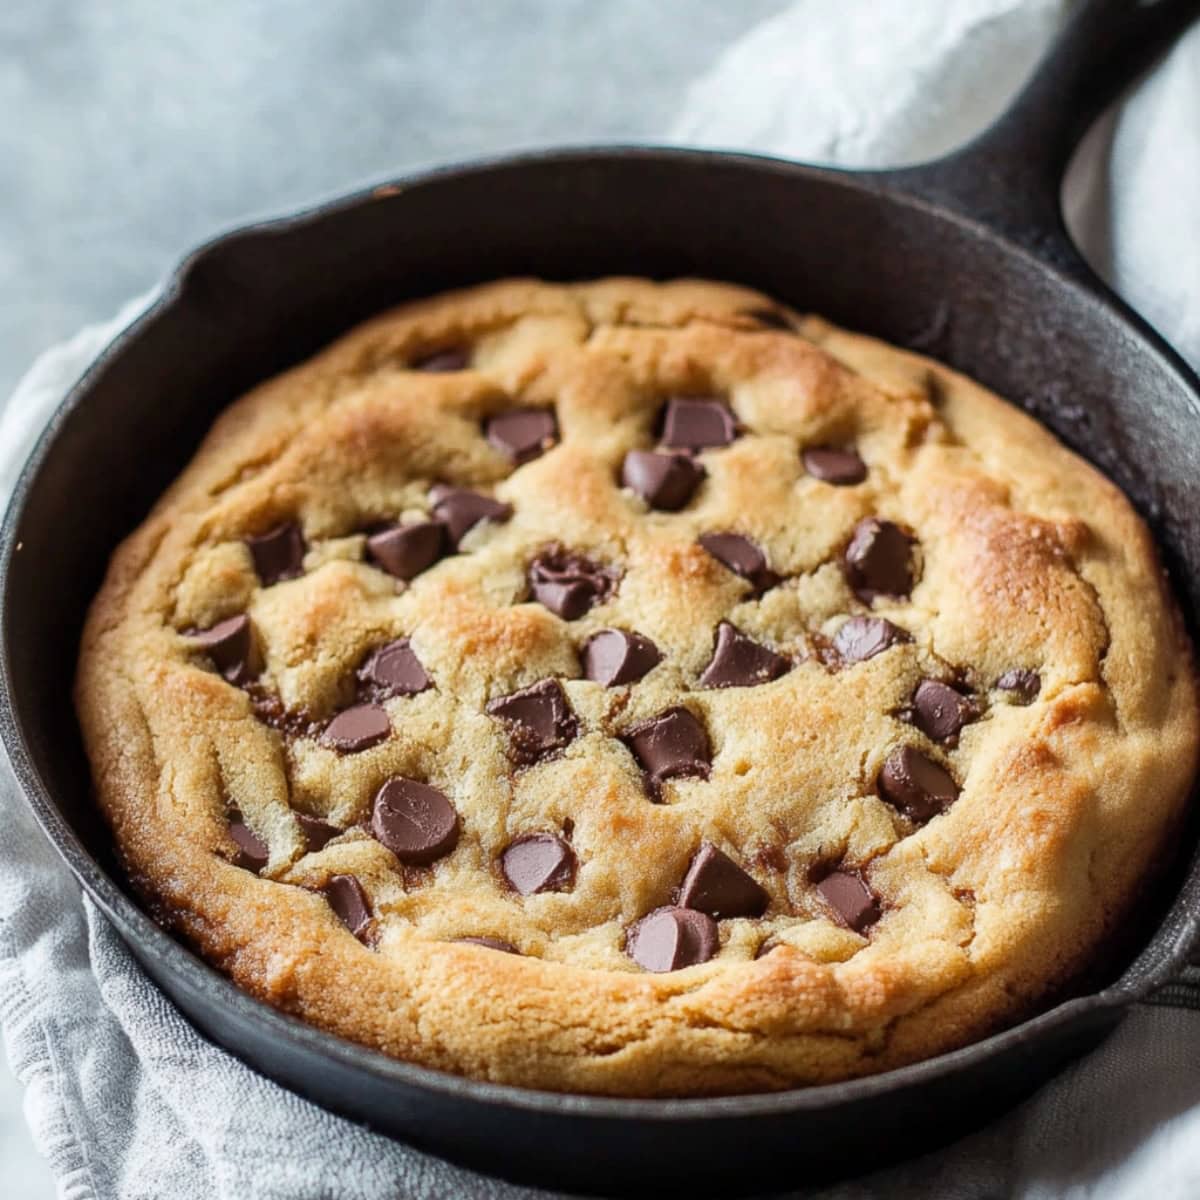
(132, 129)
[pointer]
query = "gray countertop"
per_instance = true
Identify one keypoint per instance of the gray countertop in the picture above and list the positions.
(130, 130)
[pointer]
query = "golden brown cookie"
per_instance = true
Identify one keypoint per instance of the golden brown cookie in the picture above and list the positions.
(639, 689)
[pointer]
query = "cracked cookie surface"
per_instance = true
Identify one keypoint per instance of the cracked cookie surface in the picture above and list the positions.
(638, 689)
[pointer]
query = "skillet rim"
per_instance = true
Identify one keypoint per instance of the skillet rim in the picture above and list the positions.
(902, 187)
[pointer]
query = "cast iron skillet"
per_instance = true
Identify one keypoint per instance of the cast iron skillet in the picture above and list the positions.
(965, 258)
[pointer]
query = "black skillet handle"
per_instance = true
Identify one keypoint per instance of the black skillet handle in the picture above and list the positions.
(1010, 177)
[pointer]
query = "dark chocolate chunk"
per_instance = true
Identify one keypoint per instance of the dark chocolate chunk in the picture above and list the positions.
(317, 833)
(456, 358)
(716, 885)
(939, 711)
(230, 645)
(414, 821)
(569, 584)
(522, 434)
(742, 557)
(916, 785)
(664, 481)
(831, 465)
(613, 657)
(350, 904)
(739, 661)
(460, 510)
(357, 728)
(852, 901)
(539, 720)
(394, 670)
(278, 554)
(490, 943)
(878, 560)
(697, 423)
(670, 745)
(861, 638)
(253, 853)
(538, 862)
(407, 550)
(1024, 685)
(670, 938)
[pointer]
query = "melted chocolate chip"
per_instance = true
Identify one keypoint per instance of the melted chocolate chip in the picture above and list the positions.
(522, 434)
(414, 821)
(716, 885)
(538, 862)
(406, 550)
(842, 468)
(742, 557)
(490, 943)
(350, 904)
(664, 481)
(940, 712)
(539, 720)
(357, 728)
(253, 853)
(612, 657)
(460, 510)
(569, 584)
(317, 833)
(271, 711)
(861, 638)
(739, 661)
(1023, 685)
(671, 938)
(457, 358)
(393, 670)
(697, 423)
(230, 645)
(852, 901)
(916, 785)
(878, 560)
(671, 745)
(278, 554)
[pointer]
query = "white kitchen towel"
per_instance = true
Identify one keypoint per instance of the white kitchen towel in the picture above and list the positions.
(127, 1101)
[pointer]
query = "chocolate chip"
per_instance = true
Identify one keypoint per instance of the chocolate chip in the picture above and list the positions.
(414, 821)
(670, 745)
(230, 645)
(278, 554)
(916, 785)
(253, 853)
(716, 885)
(697, 423)
(349, 902)
(670, 938)
(831, 465)
(861, 638)
(613, 657)
(357, 728)
(538, 862)
(317, 833)
(394, 670)
(455, 359)
(739, 661)
(742, 557)
(406, 550)
(539, 720)
(522, 434)
(939, 711)
(664, 481)
(852, 901)
(1024, 685)
(569, 584)
(490, 943)
(460, 510)
(878, 560)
